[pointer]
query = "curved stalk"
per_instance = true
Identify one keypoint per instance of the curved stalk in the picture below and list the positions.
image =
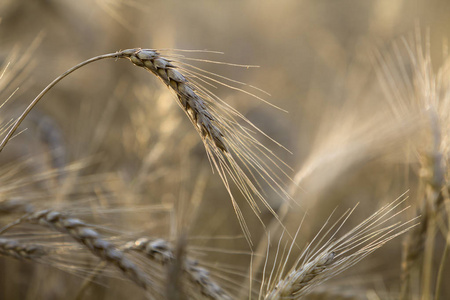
(17, 123)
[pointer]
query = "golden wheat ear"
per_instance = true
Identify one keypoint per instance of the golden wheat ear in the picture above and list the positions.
(229, 138)
(231, 148)
(327, 256)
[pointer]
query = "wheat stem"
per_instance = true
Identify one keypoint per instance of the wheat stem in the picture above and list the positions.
(440, 275)
(33, 103)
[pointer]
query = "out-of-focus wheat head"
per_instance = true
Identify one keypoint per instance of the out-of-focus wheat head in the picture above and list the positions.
(416, 90)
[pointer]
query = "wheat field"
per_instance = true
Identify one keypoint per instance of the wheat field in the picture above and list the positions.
(224, 149)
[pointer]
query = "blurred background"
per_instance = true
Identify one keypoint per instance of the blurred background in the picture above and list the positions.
(122, 134)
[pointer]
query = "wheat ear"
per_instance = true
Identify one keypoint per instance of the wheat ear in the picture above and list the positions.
(321, 261)
(160, 251)
(88, 237)
(231, 148)
(191, 102)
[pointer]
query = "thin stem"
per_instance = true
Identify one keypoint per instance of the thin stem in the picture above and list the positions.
(16, 124)
(440, 276)
(427, 268)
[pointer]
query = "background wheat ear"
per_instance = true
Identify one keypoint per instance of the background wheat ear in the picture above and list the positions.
(200, 283)
(90, 238)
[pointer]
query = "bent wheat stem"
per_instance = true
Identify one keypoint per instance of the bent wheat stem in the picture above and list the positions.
(33, 103)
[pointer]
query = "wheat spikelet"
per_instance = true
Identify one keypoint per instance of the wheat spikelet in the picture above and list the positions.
(42, 251)
(160, 250)
(301, 278)
(20, 250)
